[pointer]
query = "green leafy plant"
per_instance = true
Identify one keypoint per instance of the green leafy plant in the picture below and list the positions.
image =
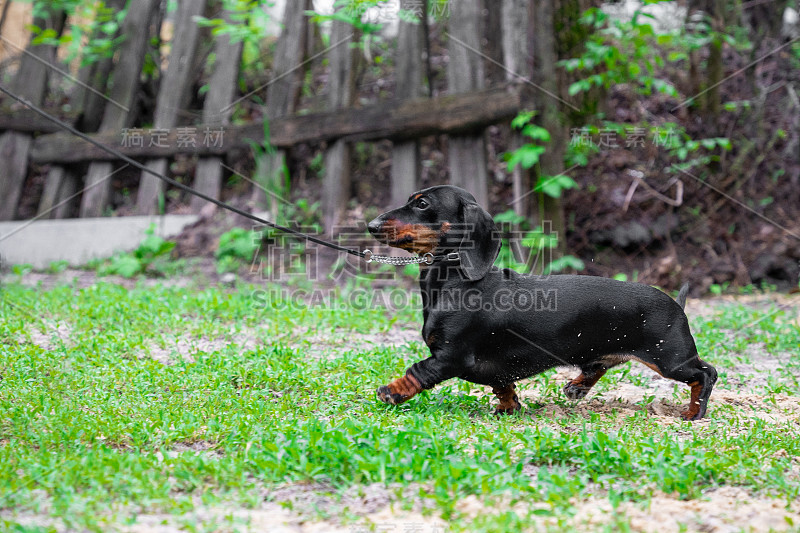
(235, 247)
(580, 149)
(56, 267)
(717, 289)
(411, 271)
(681, 145)
(620, 52)
(238, 244)
(565, 262)
(669, 136)
(351, 12)
(248, 21)
(305, 214)
(355, 13)
(21, 269)
(93, 33)
(537, 243)
(528, 155)
(367, 19)
(130, 264)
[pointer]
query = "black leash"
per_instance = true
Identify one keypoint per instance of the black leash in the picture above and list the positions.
(366, 254)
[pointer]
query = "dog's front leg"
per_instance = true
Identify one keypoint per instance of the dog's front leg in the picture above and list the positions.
(399, 390)
(420, 376)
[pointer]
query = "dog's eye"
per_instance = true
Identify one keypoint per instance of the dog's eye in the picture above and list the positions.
(422, 204)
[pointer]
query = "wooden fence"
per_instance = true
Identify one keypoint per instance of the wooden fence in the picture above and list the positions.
(78, 171)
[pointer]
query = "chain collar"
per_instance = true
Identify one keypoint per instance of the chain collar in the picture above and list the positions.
(427, 258)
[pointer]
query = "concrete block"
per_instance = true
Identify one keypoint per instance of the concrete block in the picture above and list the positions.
(76, 241)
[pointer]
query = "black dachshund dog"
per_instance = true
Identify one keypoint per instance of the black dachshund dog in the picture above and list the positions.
(494, 327)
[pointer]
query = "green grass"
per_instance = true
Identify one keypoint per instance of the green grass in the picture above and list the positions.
(94, 430)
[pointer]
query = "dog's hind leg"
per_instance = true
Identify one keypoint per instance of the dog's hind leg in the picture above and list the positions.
(700, 376)
(509, 402)
(580, 386)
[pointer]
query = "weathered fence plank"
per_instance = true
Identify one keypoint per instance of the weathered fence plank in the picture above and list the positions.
(493, 38)
(282, 97)
(58, 197)
(336, 182)
(408, 75)
(91, 103)
(60, 193)
(14, 150)
(123, 93)
(396, 121)
(515, 59)
(31, 81)
(217, 111)
(27, 121)
(465, 72)
(172, 95)
(283, 91)
(542, 42)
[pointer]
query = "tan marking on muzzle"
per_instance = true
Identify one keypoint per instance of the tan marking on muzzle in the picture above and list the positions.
(417, 238)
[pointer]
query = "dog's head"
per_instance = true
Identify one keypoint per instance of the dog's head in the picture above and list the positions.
(440, 220)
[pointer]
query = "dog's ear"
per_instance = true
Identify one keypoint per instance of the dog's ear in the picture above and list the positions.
(480, 243)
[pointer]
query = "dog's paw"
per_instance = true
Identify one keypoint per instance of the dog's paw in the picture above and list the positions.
(692, 415)
(500, 411)
(387, 396)
(575, 392)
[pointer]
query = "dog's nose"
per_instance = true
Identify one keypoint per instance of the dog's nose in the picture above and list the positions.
(375, 226)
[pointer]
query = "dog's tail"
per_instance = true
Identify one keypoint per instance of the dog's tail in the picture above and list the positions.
(682, 295)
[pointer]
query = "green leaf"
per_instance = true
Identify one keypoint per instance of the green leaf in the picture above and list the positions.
(48, 36)
(553, 186)
(576, 87)
(664, 39)
(677, 56)
(509, 217)
(109, 28)
(708, 144)
(570, 64)
(664, 87)
(126, 266)
(536, 133)
(526, 155)
(538, 240)
(411, 271)
(564, 263)
(523, 118)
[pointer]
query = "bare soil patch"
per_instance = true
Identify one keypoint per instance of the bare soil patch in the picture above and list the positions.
(320, 345)
(721, 510)
(49, 336)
